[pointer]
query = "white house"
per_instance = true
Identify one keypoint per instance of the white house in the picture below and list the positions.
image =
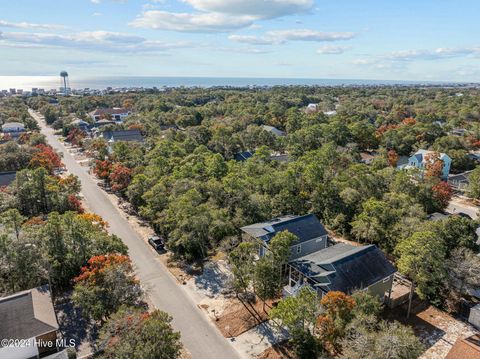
(116, 114)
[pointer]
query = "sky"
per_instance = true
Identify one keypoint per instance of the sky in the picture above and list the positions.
(434, 40)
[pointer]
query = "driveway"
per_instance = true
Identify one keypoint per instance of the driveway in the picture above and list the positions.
(199, 335)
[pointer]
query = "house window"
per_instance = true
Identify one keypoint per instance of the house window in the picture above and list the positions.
(299, 248)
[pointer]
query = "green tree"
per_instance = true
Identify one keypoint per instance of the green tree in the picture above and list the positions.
(132, 333)
(69, 240)
(12, 220)
(474, 184)
(242, 262)
(422, 258)
(298, 314)
(383, 340)
(456, 231)
(268, 277)
(366, 304)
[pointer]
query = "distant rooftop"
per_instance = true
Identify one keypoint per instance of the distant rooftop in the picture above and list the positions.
(6, 178)
(133, 135)
(109, 111)
(13, 126)
(243, 156)
(274, 130)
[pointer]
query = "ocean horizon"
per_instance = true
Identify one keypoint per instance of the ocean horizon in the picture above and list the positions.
(102, 82)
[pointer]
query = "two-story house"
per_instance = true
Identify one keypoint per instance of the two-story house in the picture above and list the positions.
(311, 234)
(322, 265)
(116, 114)
(421, 158)
(133, 135)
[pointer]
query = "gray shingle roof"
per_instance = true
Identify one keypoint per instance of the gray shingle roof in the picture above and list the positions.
(6, 178)
(123, 135)
(304, 227)
(27, 314)
(345, 268)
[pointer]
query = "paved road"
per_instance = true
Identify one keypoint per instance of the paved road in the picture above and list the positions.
(457, 205)
(199, 335)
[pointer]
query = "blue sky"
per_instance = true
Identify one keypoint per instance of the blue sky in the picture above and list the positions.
(355, 39)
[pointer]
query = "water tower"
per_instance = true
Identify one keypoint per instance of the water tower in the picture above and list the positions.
(65, 87)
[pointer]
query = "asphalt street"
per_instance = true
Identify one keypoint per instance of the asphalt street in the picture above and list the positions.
(199, 335)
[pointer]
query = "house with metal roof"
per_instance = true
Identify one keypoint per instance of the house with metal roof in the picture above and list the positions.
(243, 156)
(312, 235)
(28, 316)
(460, 182)
(342, 267)
(324, 266)
(274, 131)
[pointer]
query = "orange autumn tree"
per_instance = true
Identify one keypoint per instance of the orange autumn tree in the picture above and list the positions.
(433, 165)
(392, 158)
(105, 284)
(337, 314)
(409, 121)
(442, 194)
(102, 169)
(94, 219)
(120, 177)
(46, 157)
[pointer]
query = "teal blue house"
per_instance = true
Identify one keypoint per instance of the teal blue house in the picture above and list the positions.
(419, 160)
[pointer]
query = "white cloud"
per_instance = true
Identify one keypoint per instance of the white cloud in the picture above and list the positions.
(436, 54)
(283, 36)
(250, 39)
(308, 35)
(94, 40)
(186, 22)
(27, 25)
(363, 62)
(242, 50)
(332, 50)
(259, 9)
(220, 15)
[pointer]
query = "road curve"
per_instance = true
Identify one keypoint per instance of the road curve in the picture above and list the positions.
(199, 335)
